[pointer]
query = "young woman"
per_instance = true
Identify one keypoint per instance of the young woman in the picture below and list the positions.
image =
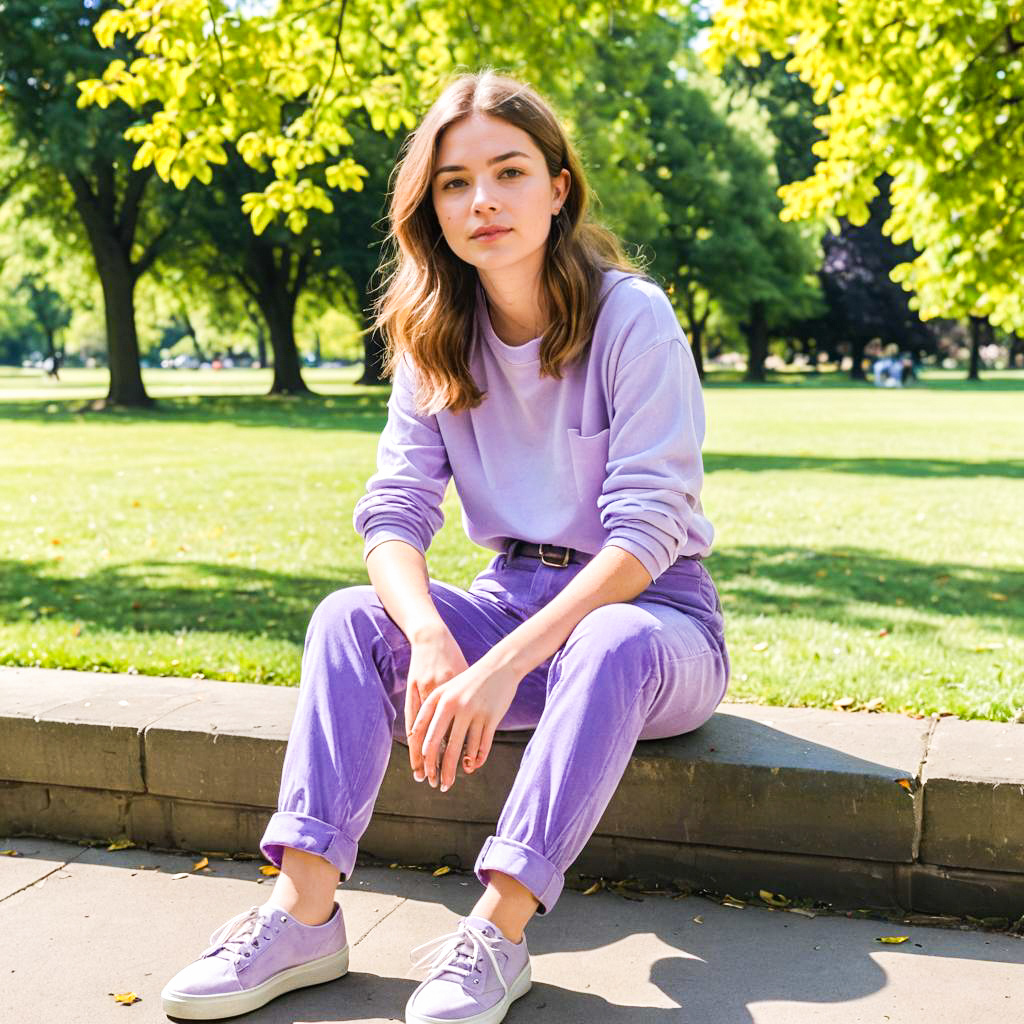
(536, 367)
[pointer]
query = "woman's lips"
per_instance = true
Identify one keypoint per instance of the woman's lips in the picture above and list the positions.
(491, 235)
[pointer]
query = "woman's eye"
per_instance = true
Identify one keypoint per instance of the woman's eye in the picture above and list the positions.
(459, 181)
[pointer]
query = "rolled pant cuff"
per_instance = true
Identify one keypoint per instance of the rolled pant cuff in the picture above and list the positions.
(302, 832)
(526, 866)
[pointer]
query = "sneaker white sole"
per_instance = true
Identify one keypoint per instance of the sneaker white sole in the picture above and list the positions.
(496, 1013)
(230, 1004)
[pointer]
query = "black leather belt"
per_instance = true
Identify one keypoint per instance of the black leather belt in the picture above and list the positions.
(550, 554)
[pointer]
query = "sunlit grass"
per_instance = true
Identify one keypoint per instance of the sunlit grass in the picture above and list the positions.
(869, 542)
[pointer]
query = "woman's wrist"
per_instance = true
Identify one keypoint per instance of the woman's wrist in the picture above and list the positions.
(425, 630)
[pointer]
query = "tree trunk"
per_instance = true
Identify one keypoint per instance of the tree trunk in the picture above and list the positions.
(118, 283)
(261, 344)
(696, 331)
(373, 360)
(857, 346)
(977, 334)
(190, 331)
(1015, 347)
(111, 239)
(278, 310)
(757, 342)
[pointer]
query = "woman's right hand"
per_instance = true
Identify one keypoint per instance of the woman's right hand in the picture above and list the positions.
(435, 659)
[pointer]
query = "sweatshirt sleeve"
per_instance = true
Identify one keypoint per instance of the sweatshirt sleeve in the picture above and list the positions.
(655, 471)
(403, 498)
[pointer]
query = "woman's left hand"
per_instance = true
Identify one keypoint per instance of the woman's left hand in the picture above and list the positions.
(471, 704)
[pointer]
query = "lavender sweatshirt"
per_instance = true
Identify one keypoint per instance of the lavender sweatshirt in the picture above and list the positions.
(609, 455)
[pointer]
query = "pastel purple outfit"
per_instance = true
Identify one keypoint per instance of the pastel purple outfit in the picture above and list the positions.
(608, 455)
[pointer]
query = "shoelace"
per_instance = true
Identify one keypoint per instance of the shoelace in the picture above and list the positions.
(455, 946)
(245, 927)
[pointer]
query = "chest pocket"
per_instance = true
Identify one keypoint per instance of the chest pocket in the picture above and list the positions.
(589, 463)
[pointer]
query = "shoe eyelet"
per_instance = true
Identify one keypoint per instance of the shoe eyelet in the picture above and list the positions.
(245, 954)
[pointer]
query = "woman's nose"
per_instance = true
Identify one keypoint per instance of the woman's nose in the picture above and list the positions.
(483, 200)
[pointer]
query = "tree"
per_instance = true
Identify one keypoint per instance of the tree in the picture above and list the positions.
(51, 312)
(282, 82)
(44, 48)
(937, 106)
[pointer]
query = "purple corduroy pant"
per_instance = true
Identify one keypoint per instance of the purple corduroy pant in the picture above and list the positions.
(649, 668)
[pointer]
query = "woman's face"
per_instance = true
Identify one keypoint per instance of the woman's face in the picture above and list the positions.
(491, 174)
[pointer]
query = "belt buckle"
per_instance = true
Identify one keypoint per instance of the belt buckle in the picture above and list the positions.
(555, 565)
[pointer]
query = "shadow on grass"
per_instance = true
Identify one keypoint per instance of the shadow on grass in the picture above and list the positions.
(363, 409)
(748, 463)
(825, 584)
(153, 596)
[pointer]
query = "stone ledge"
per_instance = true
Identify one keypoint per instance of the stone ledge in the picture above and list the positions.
(800, 793)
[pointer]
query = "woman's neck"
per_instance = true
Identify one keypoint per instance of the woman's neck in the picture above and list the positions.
(515, 309)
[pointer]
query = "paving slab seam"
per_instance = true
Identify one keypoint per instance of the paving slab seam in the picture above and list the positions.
(919, 794)
(373, 927)
(36, 881)
(142, 737)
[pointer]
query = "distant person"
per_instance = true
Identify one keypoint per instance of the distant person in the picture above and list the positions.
(595, 624)
(51, 364)
(888, 370)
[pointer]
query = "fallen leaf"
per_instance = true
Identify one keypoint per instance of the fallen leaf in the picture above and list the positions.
(772, 900)
(269, 869)
(596, 887)
(762, 646)
(199, 865)
(801, 911)
(874, 704)
(9, 853)
(731, 901)
(906, 784)
(843, 702)
(121, 844)
(125, 997)
(997, 597)
(821, 573)
(699, 919)
(883, 632)
(180, 874)
(443, 870)
(392, 866)
(894, 939)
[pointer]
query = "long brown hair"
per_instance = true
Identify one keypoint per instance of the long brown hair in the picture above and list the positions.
(428, 305)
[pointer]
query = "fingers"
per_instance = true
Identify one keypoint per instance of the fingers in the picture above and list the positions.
(450, 761)
(412, 707)
(437, 727)
(417, 735)
(472, 754)
(486, 739)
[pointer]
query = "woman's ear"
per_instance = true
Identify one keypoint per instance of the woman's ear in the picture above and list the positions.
(560, 189)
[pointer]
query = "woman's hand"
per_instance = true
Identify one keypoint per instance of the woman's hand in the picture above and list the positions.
(435, 659)
(471, 705)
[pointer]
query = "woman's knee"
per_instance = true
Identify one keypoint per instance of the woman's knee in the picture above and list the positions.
(616, 632)
(338, 607)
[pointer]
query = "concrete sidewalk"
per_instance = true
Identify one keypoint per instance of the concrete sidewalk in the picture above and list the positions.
(80, 923)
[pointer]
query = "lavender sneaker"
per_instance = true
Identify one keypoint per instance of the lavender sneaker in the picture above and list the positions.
(475, 976)
(258, 955)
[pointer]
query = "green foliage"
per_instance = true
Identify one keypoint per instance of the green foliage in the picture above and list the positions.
(282, 81)
(930, 93)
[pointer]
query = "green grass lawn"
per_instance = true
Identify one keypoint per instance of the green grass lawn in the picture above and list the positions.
(870, 542)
